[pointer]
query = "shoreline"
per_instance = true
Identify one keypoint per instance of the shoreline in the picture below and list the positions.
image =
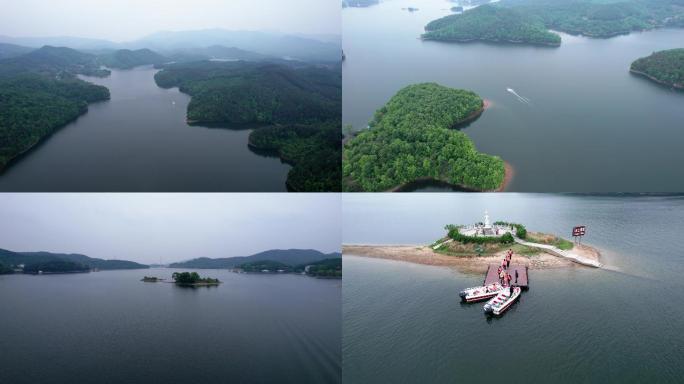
(491, 41)
(509, 173)
(677, 87)
(425, 255)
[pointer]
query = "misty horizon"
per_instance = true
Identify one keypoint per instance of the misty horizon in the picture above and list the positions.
(175, 227)
(126, 20)
(313, 36)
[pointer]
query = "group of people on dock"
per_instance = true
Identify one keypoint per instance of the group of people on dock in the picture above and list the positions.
(505, 277)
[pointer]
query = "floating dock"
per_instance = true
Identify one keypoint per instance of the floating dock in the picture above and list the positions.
(522, 282)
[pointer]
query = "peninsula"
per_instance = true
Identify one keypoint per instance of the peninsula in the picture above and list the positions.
(414, 137)
(473, 248)
(295, 110)
(491, 23)
(663, 67)
(532, 21)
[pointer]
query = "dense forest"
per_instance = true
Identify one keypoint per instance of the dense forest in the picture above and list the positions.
(40, 93)
(493, 24)
(55, 266)
(127, 59)
(665, 67)
(300, 106)
(412, 138)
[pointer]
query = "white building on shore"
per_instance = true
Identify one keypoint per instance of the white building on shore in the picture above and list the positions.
(486, 229)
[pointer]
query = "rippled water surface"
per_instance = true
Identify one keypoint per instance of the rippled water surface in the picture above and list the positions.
(109, 327)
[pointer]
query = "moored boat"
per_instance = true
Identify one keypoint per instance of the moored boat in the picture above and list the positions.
(502, 301)
(474, 294)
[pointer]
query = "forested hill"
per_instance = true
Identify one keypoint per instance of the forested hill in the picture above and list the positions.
(493, 24)
(412, 138)
(664, 67)
(596, 18)
(40, 93)
(52, 61)
(11, 50)
(29, 258)
(127, 59)
(285, 256)
(300, 104)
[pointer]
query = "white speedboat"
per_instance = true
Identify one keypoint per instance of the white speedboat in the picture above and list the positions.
(502, 301)
(474, 294)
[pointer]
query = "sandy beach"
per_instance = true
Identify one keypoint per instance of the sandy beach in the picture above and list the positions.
(422, 254)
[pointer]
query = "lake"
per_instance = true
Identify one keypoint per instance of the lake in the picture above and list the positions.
(139, 141)
(590, 125)
(109, 327)
(404, 323)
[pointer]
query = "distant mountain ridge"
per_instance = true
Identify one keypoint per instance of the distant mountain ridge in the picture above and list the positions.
(15, 258)
(12, 50)
(297, 46)
(127, 59)
(286, 256)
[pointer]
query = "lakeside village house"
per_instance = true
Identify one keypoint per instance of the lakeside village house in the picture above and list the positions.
(486, 229)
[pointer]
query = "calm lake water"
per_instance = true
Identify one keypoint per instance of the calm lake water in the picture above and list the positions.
(590, 125)
(404, 323)
(139, 141)
(109, 327)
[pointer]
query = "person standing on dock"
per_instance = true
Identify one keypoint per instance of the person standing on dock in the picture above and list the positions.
(516, 276)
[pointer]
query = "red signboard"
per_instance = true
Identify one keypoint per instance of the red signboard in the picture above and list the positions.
(579, 230)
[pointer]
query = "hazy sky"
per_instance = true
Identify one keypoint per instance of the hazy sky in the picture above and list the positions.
(143, 227)
(124, 20)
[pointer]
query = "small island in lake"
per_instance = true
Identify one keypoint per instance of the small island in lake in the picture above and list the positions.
(491, 23)
(193, 279)
(663, 67)
(474, 247)
(151, 279)
(412, 138)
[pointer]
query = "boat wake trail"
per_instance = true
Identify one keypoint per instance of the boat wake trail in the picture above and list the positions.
(522, 99)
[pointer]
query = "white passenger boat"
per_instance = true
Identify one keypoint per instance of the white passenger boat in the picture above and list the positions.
(474, 294)
(502, 301)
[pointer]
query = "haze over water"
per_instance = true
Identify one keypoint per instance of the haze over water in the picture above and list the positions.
(404, 322)
(589, 126)
(139, 141)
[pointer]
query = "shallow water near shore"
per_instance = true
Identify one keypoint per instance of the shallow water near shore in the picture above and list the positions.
(140, 141)
(110, 327)
(404, 322)
(589, 125)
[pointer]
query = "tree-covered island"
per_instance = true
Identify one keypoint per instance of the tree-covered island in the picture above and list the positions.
(663, 67)
(295, 110)
(413, 138)
(193, 279)
(491, 24)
